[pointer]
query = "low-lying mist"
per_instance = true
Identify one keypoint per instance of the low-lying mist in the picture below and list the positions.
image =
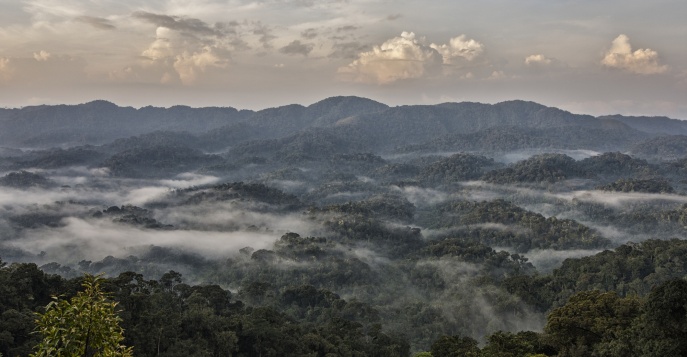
(424, 243)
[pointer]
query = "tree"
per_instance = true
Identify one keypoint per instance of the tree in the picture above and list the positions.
(663, 326)
(594, 323)
(455, 346)
(86, 325)
(508, 344)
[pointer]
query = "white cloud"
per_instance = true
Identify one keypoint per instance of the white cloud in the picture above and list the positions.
(187, 58)
(641, 61)
(538, 60)
(161, 48)
(403, 57)
(408, 56)
(188, 65)
(497, 75)
(42, 56)
(459, 48)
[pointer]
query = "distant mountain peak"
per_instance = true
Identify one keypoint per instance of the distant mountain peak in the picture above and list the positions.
(348, 100)
(521, 104)
(100, 103)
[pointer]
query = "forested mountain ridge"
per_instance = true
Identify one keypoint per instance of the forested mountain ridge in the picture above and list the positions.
(658, 125)
(99, 122)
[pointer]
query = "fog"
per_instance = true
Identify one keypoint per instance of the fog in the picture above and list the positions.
(213, 230)
(420, 196)
(545, 260)
(518, 155)
(621, 199)
(182, 223)
(94, 240)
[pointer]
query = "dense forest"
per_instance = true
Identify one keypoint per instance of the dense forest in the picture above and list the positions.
(349, 228)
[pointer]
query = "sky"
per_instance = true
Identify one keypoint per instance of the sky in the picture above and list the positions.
(593, 57)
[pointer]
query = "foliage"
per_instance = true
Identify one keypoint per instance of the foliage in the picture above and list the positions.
(663, 328)
(630, 269)
(237, 191)
(616, 164)
(133, 215)
(637, 185)
(25, 179)
(662, 147)
(58, 157)
(592, 321)
(455, 346)
(160, 160)
(458, 167)
(86, 325)
(547, 168)
(508, 344)
(521, 229)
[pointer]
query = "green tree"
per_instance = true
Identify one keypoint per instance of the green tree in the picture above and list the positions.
(508, 344)
(663, 327)
(594, 323)
(455, 346)
(86, 325)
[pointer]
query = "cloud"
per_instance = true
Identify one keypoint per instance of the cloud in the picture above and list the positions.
(265, 34)
(309, 34)
(349, 50)
(347, 28)
(5, 70)
(403, 57)
(189, 65)
(538, 60)
(188, 59)
(185, 25)
(297, 48)
(497, 75)
(407, 57)
(41, 56)
(459, 48)
(97, 22)
(641, 61)
(394, 17)
(161, 48)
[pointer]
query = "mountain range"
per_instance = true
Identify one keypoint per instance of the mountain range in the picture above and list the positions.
(340, 125)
